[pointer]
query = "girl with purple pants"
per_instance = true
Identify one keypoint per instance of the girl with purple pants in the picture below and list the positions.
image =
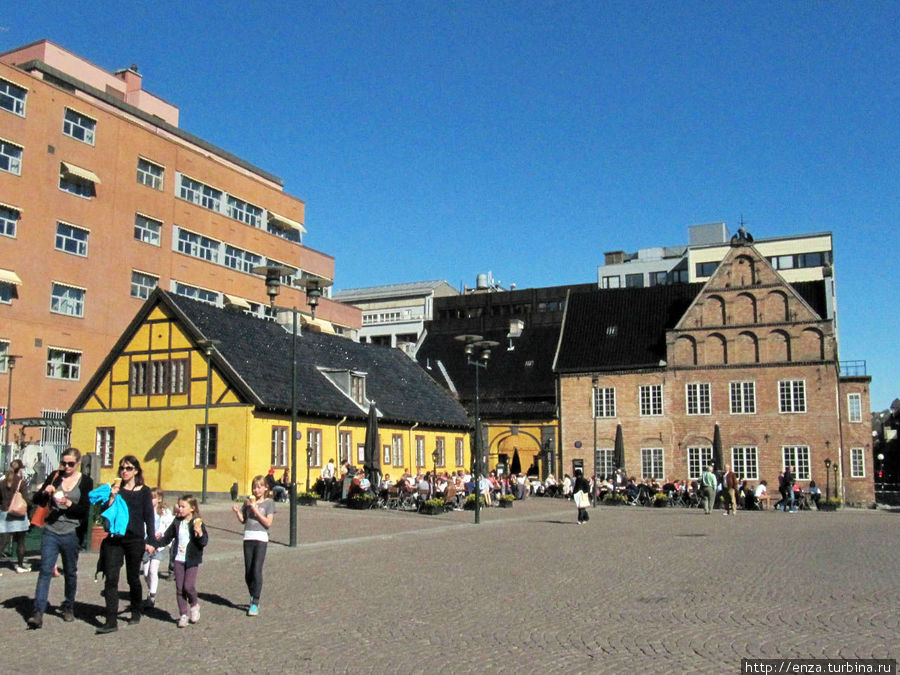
(189, 533)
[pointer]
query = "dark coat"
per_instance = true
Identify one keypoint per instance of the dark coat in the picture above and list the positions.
(193, 555)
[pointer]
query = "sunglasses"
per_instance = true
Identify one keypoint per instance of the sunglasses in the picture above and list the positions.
(126, 468)
(68, 463)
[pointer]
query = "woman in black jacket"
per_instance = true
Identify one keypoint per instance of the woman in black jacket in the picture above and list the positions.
(139, 537)
(581, 485)
(66, 492)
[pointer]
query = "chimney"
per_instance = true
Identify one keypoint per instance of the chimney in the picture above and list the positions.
(131, 77)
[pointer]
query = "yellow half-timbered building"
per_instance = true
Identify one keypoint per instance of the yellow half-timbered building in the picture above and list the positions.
(149, 399)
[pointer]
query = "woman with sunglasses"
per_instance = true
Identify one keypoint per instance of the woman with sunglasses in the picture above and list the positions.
(66, 492)
(129, 547)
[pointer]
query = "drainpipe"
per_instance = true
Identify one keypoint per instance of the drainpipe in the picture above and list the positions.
(411, 446)
(337, 442)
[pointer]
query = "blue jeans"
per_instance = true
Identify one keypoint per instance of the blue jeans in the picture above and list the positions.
(790, 500)
(52, 546)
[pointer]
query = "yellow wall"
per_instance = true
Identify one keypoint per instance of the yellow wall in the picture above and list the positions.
(506, 438)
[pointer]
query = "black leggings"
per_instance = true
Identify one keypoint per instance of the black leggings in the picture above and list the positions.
(254, 557)
(115, 550)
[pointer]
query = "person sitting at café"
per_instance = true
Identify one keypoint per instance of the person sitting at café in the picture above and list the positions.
(758, 493)
(551, 486)
(815, 493)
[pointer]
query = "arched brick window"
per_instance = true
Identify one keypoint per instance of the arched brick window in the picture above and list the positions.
(779, 348)
(716, 350)
(746, 348)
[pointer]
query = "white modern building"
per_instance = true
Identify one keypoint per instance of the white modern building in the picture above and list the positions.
(395, 314)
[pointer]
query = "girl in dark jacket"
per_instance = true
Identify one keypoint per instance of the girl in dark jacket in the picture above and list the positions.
(189, 533)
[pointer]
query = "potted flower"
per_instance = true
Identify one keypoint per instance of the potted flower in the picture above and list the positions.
(830, 504)
(614, 499)
(432, 507)
(98, 529)
(660, 499)
(307, 498)
(360, 501)
(506, 501)
(469, 504)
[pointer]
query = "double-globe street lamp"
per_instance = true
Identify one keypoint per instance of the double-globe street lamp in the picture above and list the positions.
(208, 348)
(478, 352)
(314, 287)
(10, 365)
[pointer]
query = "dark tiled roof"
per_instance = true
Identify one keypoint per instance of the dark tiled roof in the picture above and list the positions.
(626, 328)
(525, 373)
(259, 353)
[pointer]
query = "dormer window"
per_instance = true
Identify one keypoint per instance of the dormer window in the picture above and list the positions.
(358, 388)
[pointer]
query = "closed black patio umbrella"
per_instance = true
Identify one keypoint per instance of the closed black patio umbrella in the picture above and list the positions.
(515, 467)
(371, 459)
(718, 457)
(619, 454)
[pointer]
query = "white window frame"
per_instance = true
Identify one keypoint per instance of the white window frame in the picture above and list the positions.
(76, 185)
(345, 441)
(241, 260)
(792, 396)
(279, 454)
(742, 397)
(699, 457)
(72, 239)
(150, 174)
(460, 453)
(420, 452)
(67, 300)
(195, 292)
(79, 126)
(854, 407)
(397, 449)
(4, 351)
(653, 458)
(798, 457)
(196, 245)
(147, 230)
(200, 193)
(9, 220)
(606, 466)
(857, 463)
(63, 364)
(698, 399)
(11, 157)
(611, 281)
(440, 445)
(200, 434)
(650, 397)
(604, 401)
(7, 293)
(244, 212)
(314, 441)
(13, 97)
(105, 445)
(745, 462)
(140, 284)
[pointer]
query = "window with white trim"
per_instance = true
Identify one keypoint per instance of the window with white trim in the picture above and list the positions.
(397, 450)
(67, 300)
(854, 407)
(146, 229)
(63, 364)
(279, 453)
(857, 463)
(4, 352)
(10, 157)
(196, 245)
(150, 174)
(604, 401)
(7, 292)
(244, 211)
(698, 399)
(72, 239)
(142, 284)
(314, 447)
(606, 464)
(652, 463)
(137, 385)
(796, 456)
(651, 399)
(699, 458)
(744, 462)
(241, 260)
(386, 455)
(9, 220)
(199, 193)
(792, 396)
(743, 398)
(201, 294)
(440, 450)
(460, 453)
(614, 281)
(56, 436)
(105, 446)
(203, 433)
(13, 97)
(76, 185)
(79, 126)
(420, 452)
(345, 447)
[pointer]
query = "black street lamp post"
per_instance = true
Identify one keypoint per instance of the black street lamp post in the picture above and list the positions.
(477, 351)
(208, 347)
(827, 478)
(313, 286)
(595, 382)
(10, 365)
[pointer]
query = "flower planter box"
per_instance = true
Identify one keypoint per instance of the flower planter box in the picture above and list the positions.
(505, 503)
(360, 504)
(307, 501)
(98, 534)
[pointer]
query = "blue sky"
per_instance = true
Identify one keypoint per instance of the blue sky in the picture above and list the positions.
(438, 140)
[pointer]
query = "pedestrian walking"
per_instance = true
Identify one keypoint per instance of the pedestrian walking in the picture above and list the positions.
(162, 518)
(708, 487)
(789, 506)
(730, 483)
(257, 515)
(139, 538)
(190, 537)
(582, 496)
(66, 493)
(13, 520)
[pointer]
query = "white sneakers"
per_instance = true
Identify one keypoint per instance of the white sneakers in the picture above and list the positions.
(195, 613)
(182, 621)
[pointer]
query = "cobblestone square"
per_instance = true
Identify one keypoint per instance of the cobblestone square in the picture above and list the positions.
(527, 590)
